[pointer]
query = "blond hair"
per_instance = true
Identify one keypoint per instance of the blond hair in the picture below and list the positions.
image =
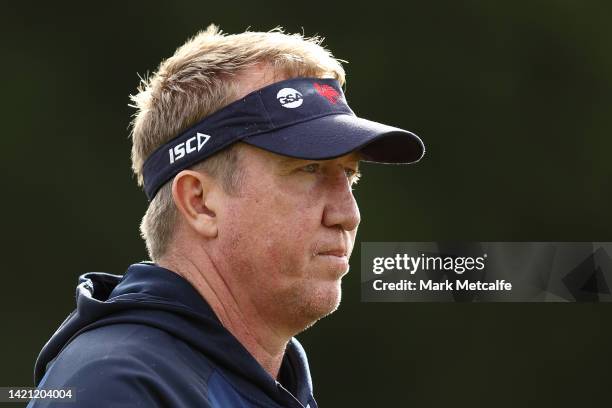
(194, 83)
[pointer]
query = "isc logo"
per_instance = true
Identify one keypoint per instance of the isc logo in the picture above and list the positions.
(193, 144)
(289, 98)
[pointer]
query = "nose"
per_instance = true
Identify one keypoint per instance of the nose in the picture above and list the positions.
(341, 208)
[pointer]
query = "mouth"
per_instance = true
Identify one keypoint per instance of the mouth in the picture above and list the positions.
(340, 253)
(336, 260)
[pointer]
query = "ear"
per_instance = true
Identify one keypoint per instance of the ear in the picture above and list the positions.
(196, 197)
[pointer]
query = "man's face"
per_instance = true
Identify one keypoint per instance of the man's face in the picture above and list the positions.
(287, 235)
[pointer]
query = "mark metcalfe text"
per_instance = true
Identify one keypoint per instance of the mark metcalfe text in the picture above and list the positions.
(414, 264)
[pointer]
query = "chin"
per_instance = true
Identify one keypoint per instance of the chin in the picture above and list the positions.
(316, 302)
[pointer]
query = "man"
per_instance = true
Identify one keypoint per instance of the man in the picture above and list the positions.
(247, 151)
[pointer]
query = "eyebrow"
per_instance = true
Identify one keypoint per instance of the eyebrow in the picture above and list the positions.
(286, 161)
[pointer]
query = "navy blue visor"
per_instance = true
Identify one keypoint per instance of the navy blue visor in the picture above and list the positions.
(305, 118)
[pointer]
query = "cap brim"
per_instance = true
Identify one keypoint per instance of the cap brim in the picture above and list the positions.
(333, 136)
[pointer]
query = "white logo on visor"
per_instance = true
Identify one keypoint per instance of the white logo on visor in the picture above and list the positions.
(193, 144)
(289, 98)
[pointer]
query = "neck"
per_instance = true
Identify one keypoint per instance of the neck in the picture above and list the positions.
(241, 319)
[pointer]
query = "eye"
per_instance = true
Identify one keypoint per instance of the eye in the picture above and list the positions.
(352, 174)
(311, 168)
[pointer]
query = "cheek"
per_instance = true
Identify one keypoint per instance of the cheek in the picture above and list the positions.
(270, 231)
(266, 232)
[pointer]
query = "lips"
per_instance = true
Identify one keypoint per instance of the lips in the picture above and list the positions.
(334, 252)
(334, 246)
(335, 259)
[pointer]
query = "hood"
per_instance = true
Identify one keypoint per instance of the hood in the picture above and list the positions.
(150, 295)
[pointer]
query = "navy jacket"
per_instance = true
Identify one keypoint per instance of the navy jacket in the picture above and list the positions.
(148, 339)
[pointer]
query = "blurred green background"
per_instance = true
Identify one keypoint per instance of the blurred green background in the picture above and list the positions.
(513, 100)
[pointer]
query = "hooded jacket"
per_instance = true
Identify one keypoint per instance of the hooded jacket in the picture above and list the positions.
(149, 339)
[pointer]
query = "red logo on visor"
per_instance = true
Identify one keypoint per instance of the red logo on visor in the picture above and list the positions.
(328, 92)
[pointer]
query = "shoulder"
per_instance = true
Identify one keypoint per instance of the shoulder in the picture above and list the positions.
(131, 364)
(138, 344)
